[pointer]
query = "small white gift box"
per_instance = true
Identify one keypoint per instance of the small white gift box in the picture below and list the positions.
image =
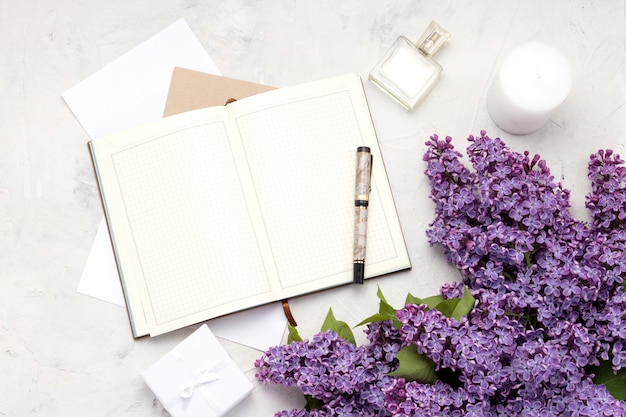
(197, 378)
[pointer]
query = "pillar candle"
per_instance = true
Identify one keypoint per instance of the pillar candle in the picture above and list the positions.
(532, 82)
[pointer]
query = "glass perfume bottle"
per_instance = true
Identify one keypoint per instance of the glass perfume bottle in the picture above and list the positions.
(407, 72)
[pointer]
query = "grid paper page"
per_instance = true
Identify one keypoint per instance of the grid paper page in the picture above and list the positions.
(192, 259)
(302, 156)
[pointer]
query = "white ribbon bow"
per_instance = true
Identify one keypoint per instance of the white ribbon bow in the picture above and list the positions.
(203, 377)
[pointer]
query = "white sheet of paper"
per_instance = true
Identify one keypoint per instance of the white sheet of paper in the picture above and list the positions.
(100, 278)
(130, 91)
(260, 327)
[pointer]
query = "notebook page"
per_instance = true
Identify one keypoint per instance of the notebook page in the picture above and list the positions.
(181, 228)
(302, 154)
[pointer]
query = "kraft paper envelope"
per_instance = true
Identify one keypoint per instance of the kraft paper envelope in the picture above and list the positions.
(191, 90)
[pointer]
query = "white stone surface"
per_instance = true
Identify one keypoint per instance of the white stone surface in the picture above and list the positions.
(66, 354)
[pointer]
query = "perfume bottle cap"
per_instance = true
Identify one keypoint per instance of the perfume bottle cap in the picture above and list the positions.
(433, 38)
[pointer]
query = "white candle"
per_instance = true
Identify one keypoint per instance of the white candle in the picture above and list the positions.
(533, 81)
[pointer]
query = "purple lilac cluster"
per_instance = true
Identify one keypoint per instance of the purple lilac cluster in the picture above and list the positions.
(502, 367)
(347, 380)
(507, 227)
(550, 301)
(550, 288)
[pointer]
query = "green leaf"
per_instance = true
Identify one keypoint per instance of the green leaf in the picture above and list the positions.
(385, 312)
(374, 318)
(447, 307)
(615, 383)
(312, 403)
(415, 366)
(384, 307)
(339, 327)
(293, 335)
(430, 302)
(457, 307)
(527, 259)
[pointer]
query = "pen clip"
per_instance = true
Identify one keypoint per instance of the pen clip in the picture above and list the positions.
(371, 168)
(364, 179)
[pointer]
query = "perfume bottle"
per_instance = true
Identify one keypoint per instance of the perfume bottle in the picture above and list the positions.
(408, 72)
